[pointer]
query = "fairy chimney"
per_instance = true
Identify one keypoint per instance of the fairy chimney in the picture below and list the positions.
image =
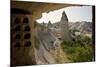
(65, 34)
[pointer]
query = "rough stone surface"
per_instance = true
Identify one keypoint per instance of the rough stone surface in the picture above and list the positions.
(65, 34)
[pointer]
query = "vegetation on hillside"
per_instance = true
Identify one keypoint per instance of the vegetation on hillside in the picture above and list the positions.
(79, 50)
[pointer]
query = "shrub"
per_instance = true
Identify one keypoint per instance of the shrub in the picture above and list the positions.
(79, 50)
(82, 54)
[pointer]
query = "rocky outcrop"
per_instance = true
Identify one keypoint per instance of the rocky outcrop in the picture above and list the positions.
(48, 50)
(49, 24)
(64, 25)
(81, 26)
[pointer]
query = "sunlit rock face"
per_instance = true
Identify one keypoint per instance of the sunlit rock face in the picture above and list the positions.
(65, 34)
(44, 47)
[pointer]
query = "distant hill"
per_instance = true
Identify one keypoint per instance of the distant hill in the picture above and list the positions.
(80, 26)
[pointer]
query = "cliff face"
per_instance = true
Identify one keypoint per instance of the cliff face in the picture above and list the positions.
(47, 50)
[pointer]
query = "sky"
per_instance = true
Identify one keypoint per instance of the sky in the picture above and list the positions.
(74, 13)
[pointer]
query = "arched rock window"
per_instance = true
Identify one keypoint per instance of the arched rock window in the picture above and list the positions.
(27, 36)
(27, 44)
(25, 20)
(17, 36)
(27, 28)
(17, 44)
(17, 28)
(17, 21)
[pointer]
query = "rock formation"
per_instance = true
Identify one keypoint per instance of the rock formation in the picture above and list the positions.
(49, 24)
(47, 49)
(22, 44)
(65, 34)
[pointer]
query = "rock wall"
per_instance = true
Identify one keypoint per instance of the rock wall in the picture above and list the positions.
(49, 50)
(22, 44)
